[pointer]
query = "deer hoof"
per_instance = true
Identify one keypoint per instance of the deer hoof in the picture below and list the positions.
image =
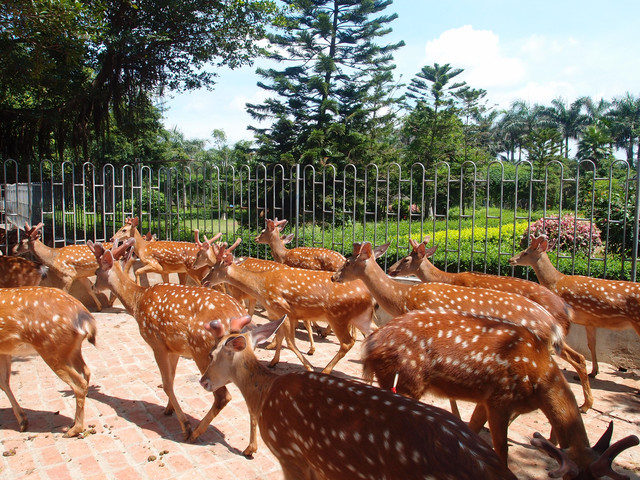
(74, 431)
(311, 351)
(249, 451)
(24, 424)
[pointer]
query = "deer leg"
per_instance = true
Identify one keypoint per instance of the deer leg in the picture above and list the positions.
(5, 376)
(498, 425)
(454, 407)
(73, 376)
(182, 279)
(251, 305)
(221, 398)
(289, 335)
(166, 363)
(346, 340)
(579, 364)
(312, 347)
(591, 343)
(478, 418)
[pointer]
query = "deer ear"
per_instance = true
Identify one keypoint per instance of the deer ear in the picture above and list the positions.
(380, 249)
(106, 261)
(543, 244)
(287, 238)
(261, 333)
(236, 344)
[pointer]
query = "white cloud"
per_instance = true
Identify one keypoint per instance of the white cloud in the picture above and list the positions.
(478, 52)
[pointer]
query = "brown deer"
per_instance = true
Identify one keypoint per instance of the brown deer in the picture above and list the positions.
(20, 272)
(397, 298)
(503, 367)
(171, 318)
(320, 426)
(312, 258)
(302, 295)
(162, 256)
(52, 324)
(211, 254)
(597, 303)
(70, 263)
(417, 263)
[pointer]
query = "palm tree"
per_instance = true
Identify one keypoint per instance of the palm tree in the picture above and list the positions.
(517, 123)
(625, 123)
(568, 120)
(594, 144)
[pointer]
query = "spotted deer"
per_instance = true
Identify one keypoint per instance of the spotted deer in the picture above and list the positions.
(321, 426)
(504, 368)
(417, 263)
(171, 320)
(211, 254)
(162, 256)
(312, 258)
(597, 303)
(70, 263)
(53, 324)
(397, 298)
(20, 272)
(302, 294)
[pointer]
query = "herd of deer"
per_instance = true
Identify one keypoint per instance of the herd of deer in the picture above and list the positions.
(464, 336)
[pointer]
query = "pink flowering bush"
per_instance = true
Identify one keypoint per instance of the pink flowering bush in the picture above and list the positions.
(564, 233)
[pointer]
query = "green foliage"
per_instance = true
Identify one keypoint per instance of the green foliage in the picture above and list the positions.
(152, 201)
(615, 215)
(69, 69)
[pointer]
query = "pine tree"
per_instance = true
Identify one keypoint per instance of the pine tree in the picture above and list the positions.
(332, 102)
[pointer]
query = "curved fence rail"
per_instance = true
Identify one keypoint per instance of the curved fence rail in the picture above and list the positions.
(475, 213)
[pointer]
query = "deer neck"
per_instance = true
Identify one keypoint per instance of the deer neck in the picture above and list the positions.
(127, 291)
(46, 255)
(547, 274)
(428, 272)
(252, 283)
(562, 411)
(140, 244)
(253, 380)
(390, 294)
(278, 250)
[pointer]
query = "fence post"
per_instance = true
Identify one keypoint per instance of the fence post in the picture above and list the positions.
(636, 220)
(297, 204)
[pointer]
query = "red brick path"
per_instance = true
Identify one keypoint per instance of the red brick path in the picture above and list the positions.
(134, 440)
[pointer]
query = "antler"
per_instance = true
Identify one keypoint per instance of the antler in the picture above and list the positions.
(566, 465)
(602, 466)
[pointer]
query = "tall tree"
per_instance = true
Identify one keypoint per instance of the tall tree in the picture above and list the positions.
(332, 102)
(517, 124)
(433, 119)
(625, 123)
(567, 119)
(90, 63)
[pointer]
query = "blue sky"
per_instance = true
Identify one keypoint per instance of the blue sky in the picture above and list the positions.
(533, 51)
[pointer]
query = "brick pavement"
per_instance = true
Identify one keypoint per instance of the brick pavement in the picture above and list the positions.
(128, 437)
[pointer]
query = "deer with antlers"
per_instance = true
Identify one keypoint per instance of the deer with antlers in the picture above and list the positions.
(52, 324)
(171, 319)
(417, 263)
(597, 303)
(311, 258)
(70, 263)
(163, 256)
(504, 368)
(301, 295)
(320, 426)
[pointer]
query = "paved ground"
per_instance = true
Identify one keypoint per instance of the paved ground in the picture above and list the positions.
(128, 437)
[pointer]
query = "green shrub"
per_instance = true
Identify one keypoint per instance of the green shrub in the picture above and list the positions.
(615, 218)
